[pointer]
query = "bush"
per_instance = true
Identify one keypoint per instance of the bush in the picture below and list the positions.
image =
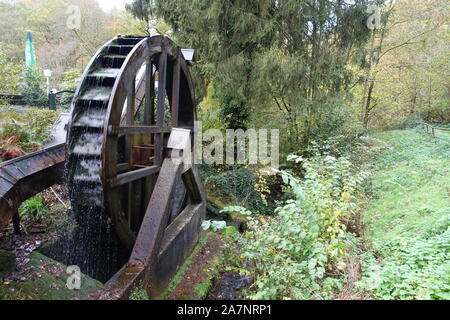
(293, 252)
(9, 76)
(238, 186)
(70, 82)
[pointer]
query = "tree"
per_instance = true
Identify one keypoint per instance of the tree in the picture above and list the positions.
(371, 63)
(288, 58)
(32, 87)
(58, 47)
(70, 82)
(405, 76)
(10, 75)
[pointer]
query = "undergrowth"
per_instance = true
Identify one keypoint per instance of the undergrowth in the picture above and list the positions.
(306, 249)
(33, 209)
(407, 222)
(26, 131)
(300, 252)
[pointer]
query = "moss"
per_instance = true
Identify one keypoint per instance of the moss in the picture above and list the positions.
(7, 262)
(180, 274)
(45, 279)
(196, 277)
(237, 219)
(138, 293)
(202, 289)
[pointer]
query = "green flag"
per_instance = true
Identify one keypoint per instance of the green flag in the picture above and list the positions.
(30, 57)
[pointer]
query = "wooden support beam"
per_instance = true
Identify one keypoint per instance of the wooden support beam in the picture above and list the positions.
(176, 90)
(134, 175)
(123, 167)
(126, 130)
(130, 112)
(148, 241)
(149, 111)
(129, 118)
(149, 119)
(162, 77)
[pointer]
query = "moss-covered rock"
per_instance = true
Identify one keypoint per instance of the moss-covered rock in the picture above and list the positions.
(7, 262)
(45, 279)
(238, 220)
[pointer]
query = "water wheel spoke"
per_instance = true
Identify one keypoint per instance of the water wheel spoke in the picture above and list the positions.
(137, 129)
(134, 175)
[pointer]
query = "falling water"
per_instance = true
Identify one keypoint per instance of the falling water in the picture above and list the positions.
(92, 244)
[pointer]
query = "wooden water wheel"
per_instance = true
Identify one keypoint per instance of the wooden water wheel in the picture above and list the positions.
(133, 94)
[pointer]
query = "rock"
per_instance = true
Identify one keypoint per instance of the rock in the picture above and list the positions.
(45, 279)
(7, 262)
(238, 220)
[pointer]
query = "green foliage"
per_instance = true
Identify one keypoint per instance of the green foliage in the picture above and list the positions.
(208, 111)
(288, 60)
(410, 53)
(10, 75)
(140, 9)
(308, 236)
(236, 187)
(138, 293)
(30, 128)
(33, 209)
(410, 185)
(213, 225)
(416, 268)
(70, 82)
(202, 289)
(32, 87)
(410, 259)
(238, 209)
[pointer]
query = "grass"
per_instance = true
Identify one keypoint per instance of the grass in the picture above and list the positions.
(411, 185)
(186, 265)
(443, 134)
(408, 222)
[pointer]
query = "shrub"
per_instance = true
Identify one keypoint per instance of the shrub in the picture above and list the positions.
(238, 187)
(138, 293)
(292, 252)
(70, 82)
(9, 76)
